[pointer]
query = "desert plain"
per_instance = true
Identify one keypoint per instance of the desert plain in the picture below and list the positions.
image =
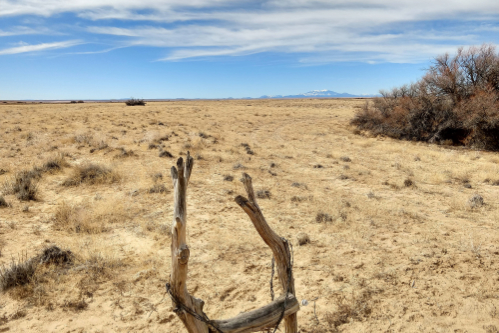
(396, 242)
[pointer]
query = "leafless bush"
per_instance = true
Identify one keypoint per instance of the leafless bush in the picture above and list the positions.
(456, 102)
(91, 174)
(24, 184)
(3, 203)
(323, 217)
(476, 201)
(18, 273)
(263, 194)
(356, 307)
(135, 101)
(158, 188)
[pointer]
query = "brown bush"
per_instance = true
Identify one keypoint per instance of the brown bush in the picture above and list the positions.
(456, 101)
(135, 101)
(91, 174)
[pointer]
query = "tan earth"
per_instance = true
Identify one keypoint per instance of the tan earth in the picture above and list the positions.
(396, 245)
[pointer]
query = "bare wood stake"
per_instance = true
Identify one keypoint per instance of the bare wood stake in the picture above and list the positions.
(190, 309)
(180, 250)
(278, 245)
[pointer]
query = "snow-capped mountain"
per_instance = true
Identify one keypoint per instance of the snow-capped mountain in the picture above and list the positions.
(318, 93)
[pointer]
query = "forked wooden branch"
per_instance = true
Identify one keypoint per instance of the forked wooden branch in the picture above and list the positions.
(190, 309)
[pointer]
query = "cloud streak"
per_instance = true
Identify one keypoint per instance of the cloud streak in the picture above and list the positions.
(39, 47)
(315, 30)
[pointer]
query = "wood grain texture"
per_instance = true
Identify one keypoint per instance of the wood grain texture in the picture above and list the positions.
(263, 318)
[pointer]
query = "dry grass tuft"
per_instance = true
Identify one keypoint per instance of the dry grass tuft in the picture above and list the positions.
(165, 153)
(24, 185)
(76, 219)
(263, 194)
(476, 201)
(357, 308)
(3, 203)
(323, 217)
(54, 164)
(125, 153)
(158, 188)
(408, 182)
(18, 273)
(91, 174)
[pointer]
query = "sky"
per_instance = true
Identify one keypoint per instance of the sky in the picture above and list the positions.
(105, 49)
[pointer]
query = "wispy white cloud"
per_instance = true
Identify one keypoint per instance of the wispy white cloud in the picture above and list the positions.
(23, 30)
(39, 47)
(316, 30)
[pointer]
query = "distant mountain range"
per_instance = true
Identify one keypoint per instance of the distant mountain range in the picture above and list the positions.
(318, 93)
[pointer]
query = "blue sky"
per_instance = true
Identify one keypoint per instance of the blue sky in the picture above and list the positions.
(89, 49)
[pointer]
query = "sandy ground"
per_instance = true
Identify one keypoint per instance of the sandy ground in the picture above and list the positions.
(395, 245)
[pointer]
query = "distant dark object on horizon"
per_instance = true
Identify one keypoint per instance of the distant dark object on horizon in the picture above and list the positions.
(135, 101)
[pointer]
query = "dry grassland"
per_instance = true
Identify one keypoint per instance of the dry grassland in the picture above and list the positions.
(394, 242)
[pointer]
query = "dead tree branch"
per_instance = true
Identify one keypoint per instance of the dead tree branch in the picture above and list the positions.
(190, 309)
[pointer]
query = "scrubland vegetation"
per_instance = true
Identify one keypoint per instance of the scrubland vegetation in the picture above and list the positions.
(388, 235)
(455, 103)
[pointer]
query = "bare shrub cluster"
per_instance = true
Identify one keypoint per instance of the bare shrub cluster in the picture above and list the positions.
(91, 174)
(135, 101)
(24, 184)
(456, 102)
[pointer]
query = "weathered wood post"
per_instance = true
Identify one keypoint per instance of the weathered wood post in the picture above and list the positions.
(190, 309)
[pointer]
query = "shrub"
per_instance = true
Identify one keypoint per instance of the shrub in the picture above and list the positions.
(91, 174)
(456, 101)
(158, 188)
(263, 194)
(135, 101)
(165, 153)
(24, 184)
(3, 203)
(18, 273)
(323, 217)
(475, 201)
(124, 153)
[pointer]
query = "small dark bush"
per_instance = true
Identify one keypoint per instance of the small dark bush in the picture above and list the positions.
(345, 159)
(165, 153)
(263, 194)
(157, 176)
(135, 101)
(18, 273)
(228, 178)
(303, 239)
(408, 182)
(323, 217)
(91, 174)
(158, 188)
(456, 102)
(73, 102)
(54, 255)
(300, 185)
(476, 201)
(76, 305)
(24, 184)
(124, 153)
(248, 149)
(3, 203)
(152, 146)
(80, 101)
